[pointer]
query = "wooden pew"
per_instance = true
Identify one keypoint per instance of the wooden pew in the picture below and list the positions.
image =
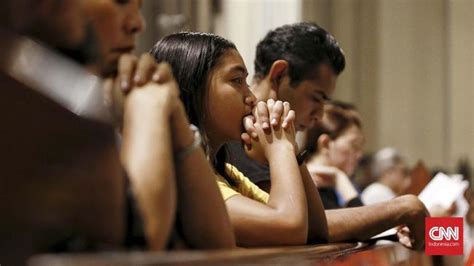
(61, 182)
(331, 254)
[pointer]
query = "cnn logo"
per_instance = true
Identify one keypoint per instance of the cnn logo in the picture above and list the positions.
(439, 233)
(444, 235)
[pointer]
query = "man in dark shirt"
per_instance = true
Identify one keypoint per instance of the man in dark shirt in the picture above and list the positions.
(299, 63)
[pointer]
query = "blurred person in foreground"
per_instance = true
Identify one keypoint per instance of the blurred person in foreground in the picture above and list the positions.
(63, 187)
(160, 154)
(61, 184)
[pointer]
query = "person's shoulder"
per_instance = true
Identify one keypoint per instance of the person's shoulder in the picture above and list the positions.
(234, 173)
(371, 189)
(237, 155)
(374, 186)
(376, 192)
(252, 169)
(227, 190)
(244, 185)
(235, 148)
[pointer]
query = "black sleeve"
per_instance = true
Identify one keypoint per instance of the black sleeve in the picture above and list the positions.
(255, 171)
(355, 202)
(329, 198)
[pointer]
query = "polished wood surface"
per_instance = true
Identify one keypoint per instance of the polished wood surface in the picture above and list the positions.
(332, 254)
(61, 182)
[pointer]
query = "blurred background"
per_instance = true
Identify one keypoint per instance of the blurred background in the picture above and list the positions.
(410, 63)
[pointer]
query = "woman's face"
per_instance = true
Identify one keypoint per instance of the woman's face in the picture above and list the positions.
(228, 98)
(400, 178)
(346, 150)
(116, 23)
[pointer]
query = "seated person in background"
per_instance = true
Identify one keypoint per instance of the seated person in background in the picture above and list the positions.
(212, 79)
(391, 172)
(363, 174)
(335, 146)
(299, 63)
(393, 179)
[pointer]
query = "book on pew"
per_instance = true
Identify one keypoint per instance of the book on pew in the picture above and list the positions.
(390, 234)
(443, 190)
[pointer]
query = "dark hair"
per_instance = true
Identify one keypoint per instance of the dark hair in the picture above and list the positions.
(338, 117)
(192, 56)
(304, 46)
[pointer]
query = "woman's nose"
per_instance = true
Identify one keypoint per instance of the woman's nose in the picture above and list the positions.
(250, 100)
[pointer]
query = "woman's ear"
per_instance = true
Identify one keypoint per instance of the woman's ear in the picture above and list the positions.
(277, 71)
(323, 143)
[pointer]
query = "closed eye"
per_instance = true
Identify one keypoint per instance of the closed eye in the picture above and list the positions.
(238, 80)
(318, 99)
(122, 2)
(319, 96)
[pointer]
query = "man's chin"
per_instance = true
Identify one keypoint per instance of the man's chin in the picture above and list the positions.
(85, 52)
(110, 68)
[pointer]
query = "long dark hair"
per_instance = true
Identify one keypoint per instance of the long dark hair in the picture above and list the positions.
(192, 56)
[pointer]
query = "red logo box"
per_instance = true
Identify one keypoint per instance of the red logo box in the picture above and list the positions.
(444, 236)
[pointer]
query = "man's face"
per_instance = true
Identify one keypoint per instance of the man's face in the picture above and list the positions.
(308, 97)
(400, 178)
(116, 24)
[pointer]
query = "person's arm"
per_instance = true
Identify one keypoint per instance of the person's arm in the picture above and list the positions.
(331, 176)
(204, 217)
(361, 223)
(284, 219)
(317, 224)
(147, 158)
